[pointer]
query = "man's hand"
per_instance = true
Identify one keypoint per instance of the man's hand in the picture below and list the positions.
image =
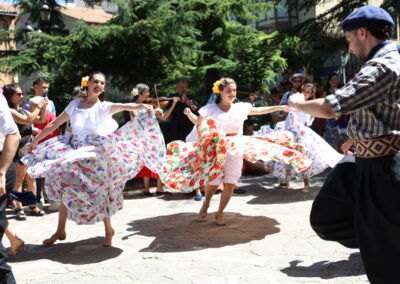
(345, 147)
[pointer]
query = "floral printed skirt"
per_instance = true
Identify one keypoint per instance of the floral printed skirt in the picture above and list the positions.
(190, 165)
(88, 172)
(321, 154)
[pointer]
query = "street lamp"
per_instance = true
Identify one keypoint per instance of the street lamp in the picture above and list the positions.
(26, 32)
(45, 13)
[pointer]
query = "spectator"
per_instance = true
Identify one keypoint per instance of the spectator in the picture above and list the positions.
(179, 125)
(297, 81)
(24, 120)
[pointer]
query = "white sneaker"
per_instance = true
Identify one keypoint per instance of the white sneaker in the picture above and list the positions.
(54, 205)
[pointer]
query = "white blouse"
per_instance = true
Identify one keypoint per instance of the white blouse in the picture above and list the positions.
(7, 124)
(230, 121)
(94, 120)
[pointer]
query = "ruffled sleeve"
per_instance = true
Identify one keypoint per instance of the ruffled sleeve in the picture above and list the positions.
(243, 110)
(72, 106)
(105, 108)
(207, 110)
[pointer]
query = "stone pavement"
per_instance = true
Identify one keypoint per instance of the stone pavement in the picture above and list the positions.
(267, 239)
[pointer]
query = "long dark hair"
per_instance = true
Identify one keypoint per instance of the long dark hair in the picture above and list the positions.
(328, 86)
(8, 92)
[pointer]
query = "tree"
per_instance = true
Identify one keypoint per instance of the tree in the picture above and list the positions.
(159, 40)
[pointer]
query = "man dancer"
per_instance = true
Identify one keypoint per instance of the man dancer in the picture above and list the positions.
(9, 140)
(358, 206)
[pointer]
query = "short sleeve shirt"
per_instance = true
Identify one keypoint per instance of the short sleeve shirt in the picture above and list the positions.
(232, 120)
(95, 120)
(7, 124)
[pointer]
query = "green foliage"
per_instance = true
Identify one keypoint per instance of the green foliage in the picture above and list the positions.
(157, 41)
(331, 19)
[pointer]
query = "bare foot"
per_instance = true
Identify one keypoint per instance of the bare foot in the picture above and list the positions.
(203, 210)
(16, 245)
(108, 238)
(219, 220)
(54, 238)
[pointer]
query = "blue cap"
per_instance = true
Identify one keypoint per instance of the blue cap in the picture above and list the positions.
(367, 17)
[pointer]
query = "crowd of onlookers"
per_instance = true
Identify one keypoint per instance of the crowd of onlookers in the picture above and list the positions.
(332, 130)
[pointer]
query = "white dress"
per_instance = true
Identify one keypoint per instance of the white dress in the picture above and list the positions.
(321, 154)
(88, 168)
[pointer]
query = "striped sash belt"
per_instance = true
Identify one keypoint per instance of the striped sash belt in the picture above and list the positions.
(378, 147)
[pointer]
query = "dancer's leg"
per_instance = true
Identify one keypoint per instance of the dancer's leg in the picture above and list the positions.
(146, 184)
(62, 222)
(159, 185)
(209, 192)
(15, 243)
(109, 232)
(225, 197)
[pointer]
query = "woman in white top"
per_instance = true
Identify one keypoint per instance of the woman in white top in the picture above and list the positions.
(230, 116)
(319, 151)
(88, 168)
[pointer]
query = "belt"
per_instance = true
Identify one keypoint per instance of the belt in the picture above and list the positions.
(231, 134)
(378, 147)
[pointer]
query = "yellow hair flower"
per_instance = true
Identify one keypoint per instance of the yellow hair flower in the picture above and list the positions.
(215, 88)
(134, 92)
(84, 82)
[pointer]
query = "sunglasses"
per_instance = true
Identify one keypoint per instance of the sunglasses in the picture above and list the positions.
(297, 81)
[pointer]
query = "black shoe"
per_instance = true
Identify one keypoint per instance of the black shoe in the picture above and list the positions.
(239, 190)
(147, 193)
(162, 192)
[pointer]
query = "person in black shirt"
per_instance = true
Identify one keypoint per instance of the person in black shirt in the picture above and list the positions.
(179, 125)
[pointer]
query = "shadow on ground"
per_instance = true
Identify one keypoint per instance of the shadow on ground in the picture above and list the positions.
(186, 232)
(326, 269)
(264, 189)
(81, 252)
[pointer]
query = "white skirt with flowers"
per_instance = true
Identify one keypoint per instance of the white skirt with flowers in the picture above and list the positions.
(88, 172)
(321, 154)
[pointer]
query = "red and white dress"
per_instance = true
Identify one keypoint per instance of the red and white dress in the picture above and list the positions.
(218, 152)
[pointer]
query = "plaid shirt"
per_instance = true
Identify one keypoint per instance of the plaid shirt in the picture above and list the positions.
(372, 98)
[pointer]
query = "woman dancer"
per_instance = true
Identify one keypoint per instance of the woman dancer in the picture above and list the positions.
(229, 153)
(321, 154)
(139, 95)
(87, 169)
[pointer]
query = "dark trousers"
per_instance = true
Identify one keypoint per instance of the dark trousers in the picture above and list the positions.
(359, 207)
(6, 275)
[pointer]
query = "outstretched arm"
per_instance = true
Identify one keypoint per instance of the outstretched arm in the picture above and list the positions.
(118, 107)
(316, 108)
(62, 118)
(268, 109)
